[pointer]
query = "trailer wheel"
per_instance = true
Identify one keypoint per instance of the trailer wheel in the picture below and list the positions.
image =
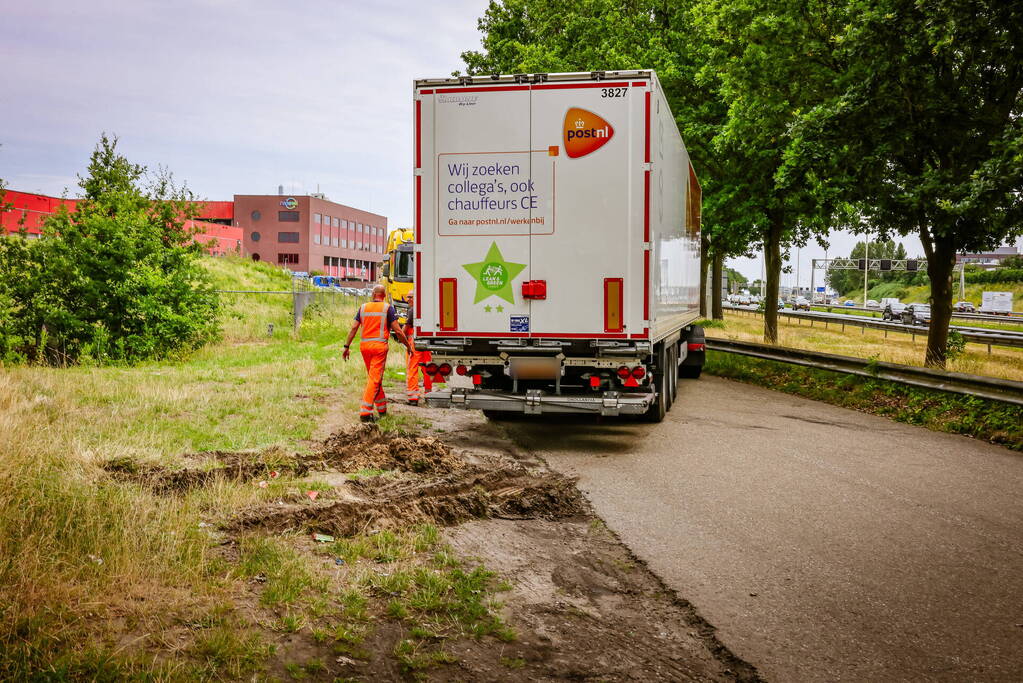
(661, 384)
(690, 371)
(671, 372)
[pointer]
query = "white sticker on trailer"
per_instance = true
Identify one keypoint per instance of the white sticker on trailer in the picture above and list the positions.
(477, 193)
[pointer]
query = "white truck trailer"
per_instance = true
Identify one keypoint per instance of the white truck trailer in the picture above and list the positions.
(996, 303)
(557, 238)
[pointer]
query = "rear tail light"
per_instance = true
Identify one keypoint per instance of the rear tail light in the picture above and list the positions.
(639, 372)
(462, 370)
(477, 380)
(431, 369)
(624, 372)
(594, 381)
(444, 369)
(693, 346)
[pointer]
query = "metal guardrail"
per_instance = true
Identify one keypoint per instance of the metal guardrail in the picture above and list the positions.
(989, 317)
(1005, 390)
(973, 335)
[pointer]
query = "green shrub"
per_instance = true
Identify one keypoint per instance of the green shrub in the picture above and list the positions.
(117, 280)
(997, 275)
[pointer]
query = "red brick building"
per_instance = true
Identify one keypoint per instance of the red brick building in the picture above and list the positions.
(301, 233)
(307, 233)
(215, 228)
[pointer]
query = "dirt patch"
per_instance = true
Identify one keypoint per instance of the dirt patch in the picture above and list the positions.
(585, 609)
(472, 492)
(204, 468)
(364, 447)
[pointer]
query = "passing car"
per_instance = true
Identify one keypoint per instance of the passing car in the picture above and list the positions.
(916, 314)
(872, 304)
(849, 303)
(744, 300)
(781, 304)
(964, 307)
(801, 304)
(893, 311)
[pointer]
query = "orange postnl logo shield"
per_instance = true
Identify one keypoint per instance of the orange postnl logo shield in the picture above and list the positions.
(585, 132)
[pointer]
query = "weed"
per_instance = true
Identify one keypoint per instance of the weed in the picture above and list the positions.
(290, 623)
(286, 576)
(513, 662)
(993, 421)
(413, 656)
(227, 651)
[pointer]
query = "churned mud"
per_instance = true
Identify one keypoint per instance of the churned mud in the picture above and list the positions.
(364, 447)
(205, 468)
(456, 491)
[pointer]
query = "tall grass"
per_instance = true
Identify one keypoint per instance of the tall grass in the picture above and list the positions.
(859, 342)
(83, 558)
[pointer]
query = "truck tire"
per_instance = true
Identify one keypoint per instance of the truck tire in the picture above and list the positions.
(690, 371)
(660, 383)
(672, 372)
(692, 366)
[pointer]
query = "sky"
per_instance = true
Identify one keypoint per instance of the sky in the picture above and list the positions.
(239, 97)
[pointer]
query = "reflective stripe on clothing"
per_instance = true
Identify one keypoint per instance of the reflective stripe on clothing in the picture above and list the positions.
(374, 354)
(373, 316)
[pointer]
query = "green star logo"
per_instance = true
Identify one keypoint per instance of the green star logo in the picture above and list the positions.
(494, 275)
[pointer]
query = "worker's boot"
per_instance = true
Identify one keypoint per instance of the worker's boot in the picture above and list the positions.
(413, 401)
(367, 418)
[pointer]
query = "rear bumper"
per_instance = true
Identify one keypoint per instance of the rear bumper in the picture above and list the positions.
(536, 402)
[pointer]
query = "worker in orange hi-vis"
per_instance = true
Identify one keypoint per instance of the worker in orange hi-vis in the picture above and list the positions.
(375, 319)
(415, 359)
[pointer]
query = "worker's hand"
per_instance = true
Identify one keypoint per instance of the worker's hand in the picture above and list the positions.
(347, 353)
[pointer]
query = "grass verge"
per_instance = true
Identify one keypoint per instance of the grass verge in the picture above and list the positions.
(992, 421)
(859, 342)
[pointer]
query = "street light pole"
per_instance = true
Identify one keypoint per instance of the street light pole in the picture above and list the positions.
(866, 268)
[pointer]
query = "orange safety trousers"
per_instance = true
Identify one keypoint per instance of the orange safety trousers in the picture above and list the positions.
(373, 316)
(374, 354)
(412, 371)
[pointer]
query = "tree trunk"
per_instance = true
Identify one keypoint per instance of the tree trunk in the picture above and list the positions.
(941, 258)
(772, 264)
(704, 248)
(716, 276)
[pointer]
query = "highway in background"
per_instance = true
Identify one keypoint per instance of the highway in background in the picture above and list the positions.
(825, 544)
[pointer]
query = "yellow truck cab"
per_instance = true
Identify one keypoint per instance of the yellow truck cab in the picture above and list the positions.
(397, 270)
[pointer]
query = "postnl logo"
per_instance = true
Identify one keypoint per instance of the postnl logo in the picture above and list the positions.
(585, 132)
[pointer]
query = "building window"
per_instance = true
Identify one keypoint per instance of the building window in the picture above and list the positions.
(337, 222)
(287, 259)
(287, 216)
(316, 239)
(326, 260)
(326, 220)
(359, 226)
(337, 241)
(316, 217)
(255, 236)
(256, 215)
(287, 237)
(344, 224)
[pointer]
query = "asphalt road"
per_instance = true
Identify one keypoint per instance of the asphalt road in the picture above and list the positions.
(824, 544)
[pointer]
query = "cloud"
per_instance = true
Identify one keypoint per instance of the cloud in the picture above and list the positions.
(233, 97)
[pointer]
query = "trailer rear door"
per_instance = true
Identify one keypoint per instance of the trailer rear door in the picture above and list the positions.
(587, 214)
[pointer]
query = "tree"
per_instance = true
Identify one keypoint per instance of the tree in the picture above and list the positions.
(118, 279)
(771, 62)
(924, 129)
(525, 36)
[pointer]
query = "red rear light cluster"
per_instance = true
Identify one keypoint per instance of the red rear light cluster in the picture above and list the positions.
(444, 369)
(462, 370)
(624, 372)
(431, 368)
(697, 347)
(639, 372)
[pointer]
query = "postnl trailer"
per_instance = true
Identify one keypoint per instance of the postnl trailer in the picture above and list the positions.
(557, 231)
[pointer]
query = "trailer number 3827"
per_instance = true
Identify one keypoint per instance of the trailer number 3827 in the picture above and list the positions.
(613, 92)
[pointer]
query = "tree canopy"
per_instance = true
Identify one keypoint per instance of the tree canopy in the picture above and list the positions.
(887, 117)
(118, 279)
